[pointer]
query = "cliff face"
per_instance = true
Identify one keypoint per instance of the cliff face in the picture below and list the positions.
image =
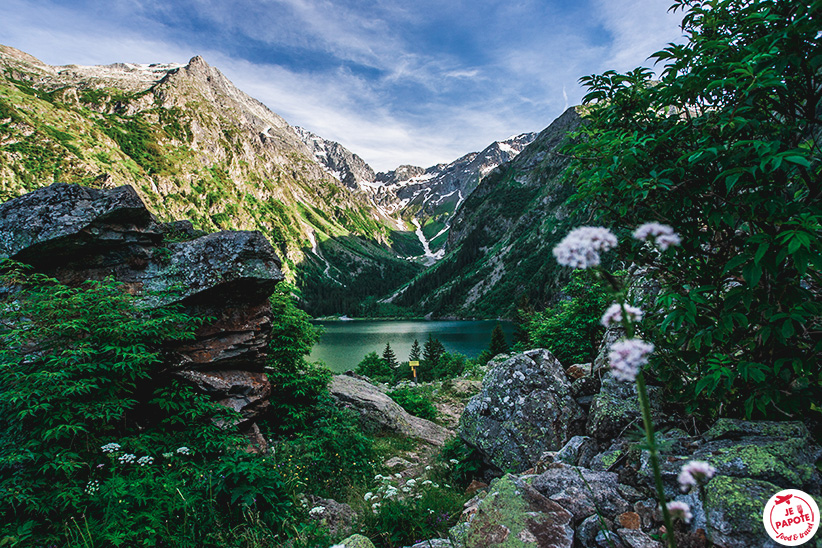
(76, 233)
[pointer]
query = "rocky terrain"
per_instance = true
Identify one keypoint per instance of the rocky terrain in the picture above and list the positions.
(76, 233)
(565, 469)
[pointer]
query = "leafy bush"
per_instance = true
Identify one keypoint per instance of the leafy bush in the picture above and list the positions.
(571, 330)
(331, 457)
(724, 148)
(459, 463)
(375, 368)
(414, 402)
(401, 515)
(94, 453)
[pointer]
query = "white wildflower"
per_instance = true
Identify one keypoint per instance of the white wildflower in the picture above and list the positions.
(127, 458)
(662, 235)
(168, 455)
(92, 487)
(184, 450)
(453, 461)
(316, 511)
(582, 246)
(368, 496)
(142, 461)
(627, 356)
(614, 314)
(680, 510)
(110, 447)
(695, 473)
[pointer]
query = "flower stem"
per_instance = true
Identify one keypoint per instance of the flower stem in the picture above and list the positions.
(652, 449)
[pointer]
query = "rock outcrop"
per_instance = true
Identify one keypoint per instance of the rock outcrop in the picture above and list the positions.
(528, 415)
(525, 409)
(379, 413)
(76, 233)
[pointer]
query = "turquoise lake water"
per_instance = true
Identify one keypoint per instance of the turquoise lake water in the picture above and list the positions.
(345, 343)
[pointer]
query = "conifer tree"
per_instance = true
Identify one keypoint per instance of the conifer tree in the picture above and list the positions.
(389, 356)
(432, 353)
(498, 343)
(415, 351)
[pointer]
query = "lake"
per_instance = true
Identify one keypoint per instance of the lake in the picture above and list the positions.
(344, 343)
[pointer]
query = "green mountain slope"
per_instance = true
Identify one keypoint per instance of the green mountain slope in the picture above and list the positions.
(501, 238)
(196, 147)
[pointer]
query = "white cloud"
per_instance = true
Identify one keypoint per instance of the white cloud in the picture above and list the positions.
(387, 92)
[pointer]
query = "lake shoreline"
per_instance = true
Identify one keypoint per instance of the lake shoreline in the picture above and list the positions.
(344, 343)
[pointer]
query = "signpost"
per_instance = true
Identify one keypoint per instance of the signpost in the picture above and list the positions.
(414, 365)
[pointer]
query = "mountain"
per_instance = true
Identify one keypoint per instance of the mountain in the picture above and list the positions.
(194, 146)
(341, 163)
(500, 239)
(427, 198)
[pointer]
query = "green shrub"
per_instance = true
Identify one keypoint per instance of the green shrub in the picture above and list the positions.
(459, 464)
(421, 509)
(93, 451)
(724, 147)
(571, 330)
(415, 403)
(375, 368)
(330, 457)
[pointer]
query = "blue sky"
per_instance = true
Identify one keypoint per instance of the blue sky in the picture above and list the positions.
(398, 82)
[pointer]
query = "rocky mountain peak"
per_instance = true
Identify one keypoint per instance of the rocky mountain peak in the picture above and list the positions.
(337, 160)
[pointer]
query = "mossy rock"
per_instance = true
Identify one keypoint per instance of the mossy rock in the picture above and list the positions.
(357, 541)
(515, 515)
(735, 429)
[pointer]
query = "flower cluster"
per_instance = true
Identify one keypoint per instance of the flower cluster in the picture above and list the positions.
(695, 473)
(92, 487)
(628, 356)
(142, 461)
(614, 314)
(582, 246)
(662, 235)
(316, 511)
(680, 510)
(392, 488)
(127, 458)
(183, 450)
(110, 447)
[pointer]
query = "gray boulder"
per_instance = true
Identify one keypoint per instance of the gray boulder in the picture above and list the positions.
(581, 491)
(615, 409)
(379, 413)
(525, 408)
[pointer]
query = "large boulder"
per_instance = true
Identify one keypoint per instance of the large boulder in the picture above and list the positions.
(615, 409)
(582, 492)
(379, 413)
(515, 515)
(525, 408)
(75, 233)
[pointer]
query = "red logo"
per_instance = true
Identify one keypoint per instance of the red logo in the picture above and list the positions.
(791, 517)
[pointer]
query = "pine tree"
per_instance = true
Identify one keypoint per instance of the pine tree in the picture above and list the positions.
(498, 343)
(389, 356)
(415, 352)
(431, 354)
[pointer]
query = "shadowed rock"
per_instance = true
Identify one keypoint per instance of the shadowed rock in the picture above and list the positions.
(76, 233)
